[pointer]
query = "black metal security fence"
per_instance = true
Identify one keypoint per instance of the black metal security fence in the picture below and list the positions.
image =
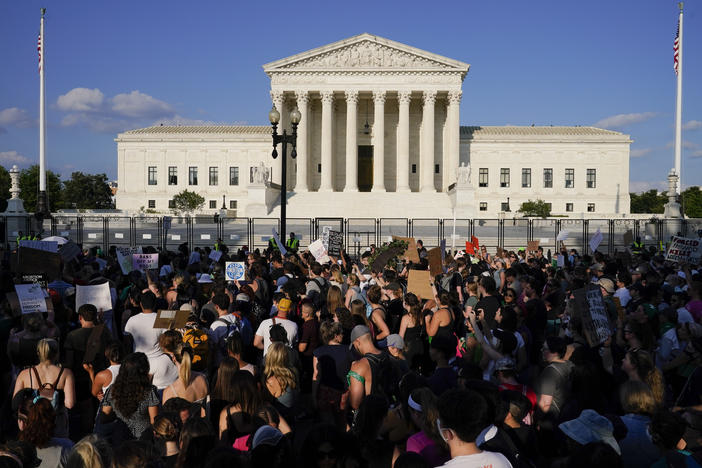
(359, 233)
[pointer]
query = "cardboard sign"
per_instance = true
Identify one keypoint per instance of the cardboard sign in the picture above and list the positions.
(628, 238)
(684, 250)
(171, 319)
(411, 252)
(419, 283)
(336, 243)
(124, 258)
(235, 271)
(40, 279)
(31, 298)
(533, 245)
(434, 258)
(97, 295)
(596, 240)
(33, 261)
(215, 255)
(48, 246)
(143, 262)
(562, 235)
(590, 306)
(317, 249)
(69, 251)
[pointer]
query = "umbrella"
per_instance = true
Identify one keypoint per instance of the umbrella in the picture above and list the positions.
(59, 239)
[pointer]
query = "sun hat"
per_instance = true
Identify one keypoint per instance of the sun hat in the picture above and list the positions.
(590, 426)
(607, 284)
(266, 435)
(205, 278)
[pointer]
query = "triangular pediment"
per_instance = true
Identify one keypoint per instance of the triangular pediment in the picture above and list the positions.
(366, 52)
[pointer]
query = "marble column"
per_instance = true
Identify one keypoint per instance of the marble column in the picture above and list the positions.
(278, 99)
(351, 143)
(379, 141)
(326, 184)
(404, 98)
(303, 98)
(451, 160)
(426, 165)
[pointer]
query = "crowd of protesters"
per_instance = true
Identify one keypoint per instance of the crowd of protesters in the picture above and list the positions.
(339, 365)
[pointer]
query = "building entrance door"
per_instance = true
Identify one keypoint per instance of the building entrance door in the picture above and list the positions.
(365, 168)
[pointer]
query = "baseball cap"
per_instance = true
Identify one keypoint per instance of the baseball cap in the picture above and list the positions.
(243, 297)
(395, 341)
(357, 332)
(266, 435)
(596, 267)
(284, 304)
(607, 284)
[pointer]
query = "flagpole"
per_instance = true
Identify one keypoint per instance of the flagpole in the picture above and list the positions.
(42, 202)
(678, 104)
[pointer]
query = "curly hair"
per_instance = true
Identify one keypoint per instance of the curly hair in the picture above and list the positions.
(167, 427)
(278, 365)
(343, 315)
(41, 422)
(132, 383)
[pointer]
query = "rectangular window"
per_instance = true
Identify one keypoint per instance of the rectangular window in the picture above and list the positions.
(548, 178)
(569, 178)
(214, 176)
(504, 177)
(569, 207)
(483, 206)
(319, 168)
(414, 168)
(504, 206)
(152, 175)
(172, 175)
(436, 168)
(483, 177)
(171, 203)
(590, 207)
(234, 175)
(213, 204)
(192, 175)
(591, 178)
(152, 203)
(526, 178)
(232, 204)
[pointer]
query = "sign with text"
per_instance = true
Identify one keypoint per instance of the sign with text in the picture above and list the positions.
(171, 319)
(596, 240)
(48, 246)
(591, 308)
(562, 235)
(38, 278)
(124, 258)
(235, 271)
(336, 243)
(419, 283)
(143, 262)
(280, 245)
(215, 255)
(33, 261)
(95, 294)
(411, 252)
(684, 250)
(317, 249)
(31, 298)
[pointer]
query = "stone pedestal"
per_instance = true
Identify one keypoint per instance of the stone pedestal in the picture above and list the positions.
(15, 214)
(672, 208)
(462, 194)
(262, 199)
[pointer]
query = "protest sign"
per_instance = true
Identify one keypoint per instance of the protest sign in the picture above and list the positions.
(124, 258)
(411, 252)
(419, 283)
(31, 298)
(590, 306)
(562, 235)
(533, 246)
(143, 262)
(48, 246)
(336, 243)
(280, 245)
(35, 278)
(684, 250)
(235, 271)
(215, 255)
(628, 238)
(596, 240)
(317, 249)
(560, 261)
(97, 295)
(171, 319)
(69, 251)
(434, 258)
(33, 261)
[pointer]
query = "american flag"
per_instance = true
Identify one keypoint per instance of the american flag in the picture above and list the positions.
(676, 49)
(39, 51)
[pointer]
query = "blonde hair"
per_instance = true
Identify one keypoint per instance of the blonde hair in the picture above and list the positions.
(278, 365)
(353, 279)
(47, 350)
(166, 429)
(90, 452)
(636, 397)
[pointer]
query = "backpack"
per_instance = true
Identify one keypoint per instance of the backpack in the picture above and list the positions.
(237, 326)
(385, 378)
(199, 342)
(321, 299)
(445, 282)
(46, 390)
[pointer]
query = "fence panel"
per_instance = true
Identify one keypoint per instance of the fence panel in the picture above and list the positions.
(462, 229)
(692, 228)
(303, 229)
(262, 230)
(93, 231)
(67, 226)
(360, 234)
(592, 226)
(515, 234)
(621, 226)
(205, 231)
(178, 232)
(147, 231)
(389, 227)
(488, 233)
(428, 231)
(119, 231)
(576, 234)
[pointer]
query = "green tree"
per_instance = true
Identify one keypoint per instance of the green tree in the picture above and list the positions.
(536, 208)
(648, 202)
(692, 202)
(4, 188)
(87, 191)
(29, 186)
(187, 202)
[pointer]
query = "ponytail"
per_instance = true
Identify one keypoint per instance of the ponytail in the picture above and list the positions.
(47, 350)
(186, 360)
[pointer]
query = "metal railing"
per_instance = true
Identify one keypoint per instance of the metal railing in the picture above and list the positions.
(359, 233)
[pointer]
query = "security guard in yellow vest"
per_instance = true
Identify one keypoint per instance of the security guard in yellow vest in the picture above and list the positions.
(272, 244)
(292, 243)
(637, 246)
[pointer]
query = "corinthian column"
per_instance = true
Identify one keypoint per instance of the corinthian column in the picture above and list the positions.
(404, 98)
(302, 105)
(326, 184)
(351, 145)
(426, 166)
(278, 99)
(451, 160)
(379, 142)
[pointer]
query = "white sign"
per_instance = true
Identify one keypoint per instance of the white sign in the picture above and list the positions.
(563, 235)
(596, 240)
(560, 261)
(320, 253)
(175, 236)
(143, 261)
(204, 237)
(235, 271)
(684, 250)
(233, 237)
(92, 235)
(119, 235)
(280, 245)
(31, 298)
(215, 255)
(146, 236)
(124, 258)
(47, 246)
(97, 295)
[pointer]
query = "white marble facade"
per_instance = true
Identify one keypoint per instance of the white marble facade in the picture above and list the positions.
(383, 118)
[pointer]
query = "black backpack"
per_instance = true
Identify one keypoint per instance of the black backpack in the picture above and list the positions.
(321, 300)
(385, 376)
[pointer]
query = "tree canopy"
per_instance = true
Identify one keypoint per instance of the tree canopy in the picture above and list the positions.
(187, 202)
(4, 188)
(535, 208)
(29, 186)
(653, 201)
(87, 191)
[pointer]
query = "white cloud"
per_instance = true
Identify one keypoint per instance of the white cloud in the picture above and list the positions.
(645, 186)
(696, 154)
(13, 157)
(692, 125)
(622, 120)
(640, 152)
(136, 104)
(81, 100)
(16, 117)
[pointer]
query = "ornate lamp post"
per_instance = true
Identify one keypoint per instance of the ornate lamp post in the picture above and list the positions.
(274, 117)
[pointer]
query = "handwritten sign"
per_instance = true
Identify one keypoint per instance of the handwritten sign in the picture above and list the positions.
(235, 271)
(336, 243)
(31, 298)
(215, 255)
(172, 319)
(411, 252)
(124, 258)
(97, 295)
(684, 250)
(48, 246)
(591, 308)
(562, 235)
(320, 253)
(596, 240)
(419, 283)
(533, 245)
(142, 261)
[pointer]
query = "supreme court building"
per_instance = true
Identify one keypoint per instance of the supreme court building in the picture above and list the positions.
(380, 136)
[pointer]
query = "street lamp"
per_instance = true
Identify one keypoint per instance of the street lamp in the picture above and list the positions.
(274, 117)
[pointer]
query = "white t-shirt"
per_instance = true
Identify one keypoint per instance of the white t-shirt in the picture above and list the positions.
(623, 295)
(145, 336)
(480, 460)
(163, 370)
(264, 330)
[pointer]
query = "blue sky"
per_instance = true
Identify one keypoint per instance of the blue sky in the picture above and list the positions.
(114, 66)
